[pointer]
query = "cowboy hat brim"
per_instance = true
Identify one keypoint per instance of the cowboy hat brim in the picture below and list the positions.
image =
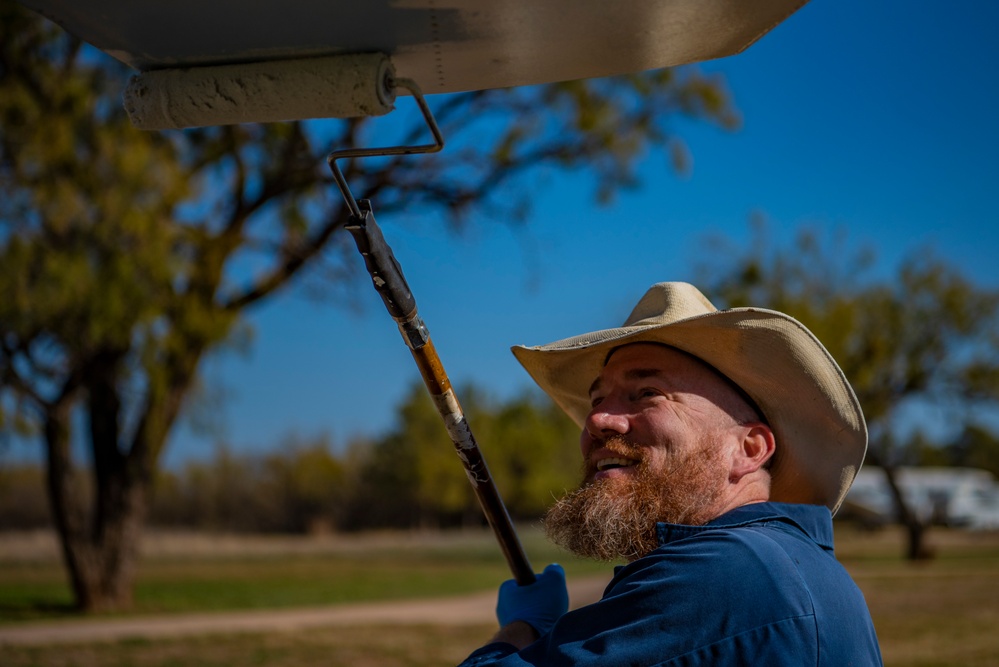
(816, 419)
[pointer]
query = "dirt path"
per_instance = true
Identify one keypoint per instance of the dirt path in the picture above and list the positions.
(463, 610)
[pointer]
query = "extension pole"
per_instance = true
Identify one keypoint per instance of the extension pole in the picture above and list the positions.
(390, 283)
(388, 280)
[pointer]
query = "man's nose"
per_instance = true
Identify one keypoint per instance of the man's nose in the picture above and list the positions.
(605, 419)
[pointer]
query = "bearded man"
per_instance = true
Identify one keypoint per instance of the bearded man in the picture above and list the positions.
(716, 447)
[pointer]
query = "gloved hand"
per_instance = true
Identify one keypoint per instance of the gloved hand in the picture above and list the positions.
(539, 604)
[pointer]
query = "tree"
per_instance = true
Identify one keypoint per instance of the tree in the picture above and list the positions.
(924, 336)
(974, 447)
(305, 482)
(410, 477)
(533, 452)
(297, 488)
(128, 256)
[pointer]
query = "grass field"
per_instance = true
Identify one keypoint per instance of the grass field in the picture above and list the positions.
(944, 612)
(185, 573)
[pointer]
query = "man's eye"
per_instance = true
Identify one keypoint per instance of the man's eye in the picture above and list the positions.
(648, 393)
(594, 402)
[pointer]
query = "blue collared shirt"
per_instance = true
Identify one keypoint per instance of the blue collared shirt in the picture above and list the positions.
(757, 586)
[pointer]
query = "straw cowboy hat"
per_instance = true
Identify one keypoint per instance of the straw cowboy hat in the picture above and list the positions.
(805, 398)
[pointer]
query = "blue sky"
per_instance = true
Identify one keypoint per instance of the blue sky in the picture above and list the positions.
(878, 119)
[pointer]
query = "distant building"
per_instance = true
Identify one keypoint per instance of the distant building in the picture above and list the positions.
(961, 497)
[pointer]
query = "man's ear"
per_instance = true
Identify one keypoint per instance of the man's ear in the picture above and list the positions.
(755, 449)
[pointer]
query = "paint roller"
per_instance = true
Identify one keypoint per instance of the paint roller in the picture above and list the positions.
(333, 87)
(342, 86)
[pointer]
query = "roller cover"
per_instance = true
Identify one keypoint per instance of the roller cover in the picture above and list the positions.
(342, 86)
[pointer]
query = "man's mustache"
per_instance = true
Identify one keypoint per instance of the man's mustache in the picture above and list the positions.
(619, 445)
(623, 446)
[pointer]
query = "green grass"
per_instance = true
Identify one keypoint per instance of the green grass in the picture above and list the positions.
(940, 613)
(403, 569)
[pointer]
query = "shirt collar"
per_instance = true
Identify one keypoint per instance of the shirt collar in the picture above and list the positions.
(813, 520)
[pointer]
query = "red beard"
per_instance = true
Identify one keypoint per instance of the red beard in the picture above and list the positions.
(613, 519)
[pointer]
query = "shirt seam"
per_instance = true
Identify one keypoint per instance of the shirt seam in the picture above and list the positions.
(674, 660)
(808, 592)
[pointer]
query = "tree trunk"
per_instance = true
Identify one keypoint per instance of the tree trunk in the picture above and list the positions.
(918, 549)
(99, 523)
(102, 564)
(99, 545)
(915, 528)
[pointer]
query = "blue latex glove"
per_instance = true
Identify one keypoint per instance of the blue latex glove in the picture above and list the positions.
(539, 604)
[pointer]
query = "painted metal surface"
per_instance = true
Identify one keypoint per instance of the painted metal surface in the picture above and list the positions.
(444, 45)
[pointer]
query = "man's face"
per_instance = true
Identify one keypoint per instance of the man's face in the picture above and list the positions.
(664, 402)
(656, 446)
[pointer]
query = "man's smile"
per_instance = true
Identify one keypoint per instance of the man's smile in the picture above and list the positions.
(616, 462)
(613, 466)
